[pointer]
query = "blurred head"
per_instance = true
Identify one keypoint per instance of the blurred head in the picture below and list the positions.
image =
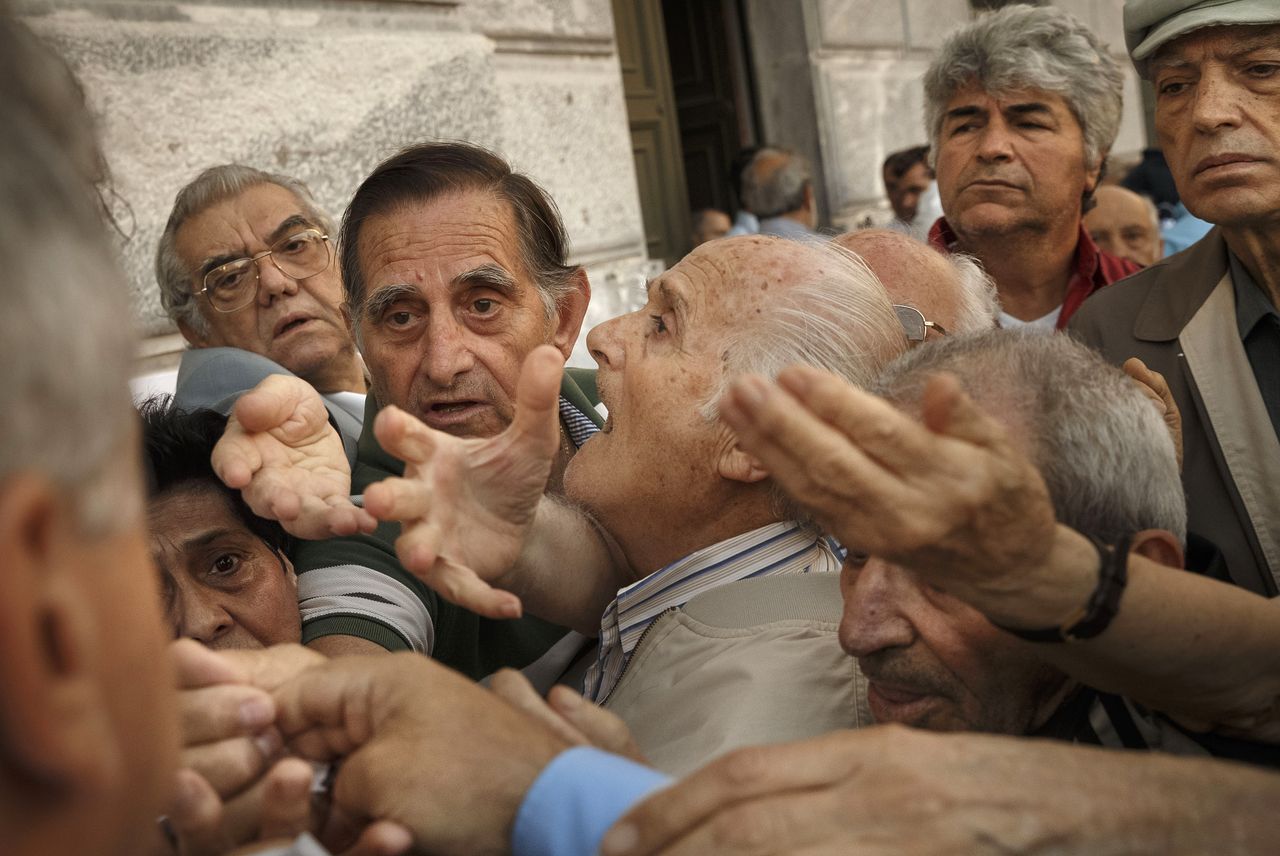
(664, 461)
(709, 224)
(225, 577)
(906, 176)
(778, 183)
(1023, 105)
(1109, 464)
(88, 731)
(948, 289)
(1126, 225)
(246, 261)
(1217, 112)
(456, 268)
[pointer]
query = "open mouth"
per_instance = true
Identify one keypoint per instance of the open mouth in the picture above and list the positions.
(291, 324)
(452, 406)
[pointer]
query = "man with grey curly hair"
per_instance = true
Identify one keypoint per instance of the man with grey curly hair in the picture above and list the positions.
(246, 270)
(1022, 106)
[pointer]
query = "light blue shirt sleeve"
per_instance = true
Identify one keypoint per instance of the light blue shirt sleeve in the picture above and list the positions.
(575, 800)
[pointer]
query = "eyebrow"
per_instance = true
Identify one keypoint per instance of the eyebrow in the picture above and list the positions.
(296, 221)
(488, 276)
(1028, 107)
(384, 296)
(965, 112)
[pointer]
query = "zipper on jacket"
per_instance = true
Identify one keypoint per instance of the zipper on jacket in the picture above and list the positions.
(636, 650)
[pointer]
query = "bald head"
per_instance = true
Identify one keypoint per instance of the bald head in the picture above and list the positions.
(1125, 224)
(956, 295)
(777, 183)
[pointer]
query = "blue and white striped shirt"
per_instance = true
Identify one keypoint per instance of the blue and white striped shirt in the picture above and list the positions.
(773, 550)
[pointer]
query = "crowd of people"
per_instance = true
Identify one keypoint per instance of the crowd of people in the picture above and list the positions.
(891, 541)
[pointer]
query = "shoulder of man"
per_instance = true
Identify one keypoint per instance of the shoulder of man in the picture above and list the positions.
(579, 387)
(215, 378)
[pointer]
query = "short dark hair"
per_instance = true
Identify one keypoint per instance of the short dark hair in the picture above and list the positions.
(177, 445)
(900, 163)
(428, 171)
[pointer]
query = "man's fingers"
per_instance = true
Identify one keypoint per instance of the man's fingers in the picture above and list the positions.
(602, 728)
(516, 689)
(226, 710)
(286, 804)
(268, 669)
(398, 499)
(536, 426)
(230, 766)
(381, 838)
(197, 666)
(195, 816)
(737, 777)
(946, 410)
(235, 458)
(462, 586)
(405, 436)
(278, 400)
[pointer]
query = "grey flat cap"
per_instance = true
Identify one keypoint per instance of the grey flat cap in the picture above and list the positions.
(1148, 24)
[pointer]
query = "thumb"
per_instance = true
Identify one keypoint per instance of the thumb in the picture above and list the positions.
(946, 410)
(536, 424)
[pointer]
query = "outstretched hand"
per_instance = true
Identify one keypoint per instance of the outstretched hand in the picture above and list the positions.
(287, 461)
(948, 497)
(466, 504)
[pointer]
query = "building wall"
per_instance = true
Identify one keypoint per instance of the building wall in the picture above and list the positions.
(324, 89)
(863, 66)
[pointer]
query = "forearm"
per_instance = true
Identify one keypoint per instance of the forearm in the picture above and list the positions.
(569, 568)
(1191, 647)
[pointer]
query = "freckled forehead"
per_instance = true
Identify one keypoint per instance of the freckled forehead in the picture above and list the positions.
(731, 274)
(435, 241)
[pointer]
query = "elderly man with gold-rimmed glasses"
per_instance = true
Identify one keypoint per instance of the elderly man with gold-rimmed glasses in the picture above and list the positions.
(246, 270)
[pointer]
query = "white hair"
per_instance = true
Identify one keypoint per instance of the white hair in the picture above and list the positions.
(213, 185)
(1041, 47)
(837, 317)
(979, 305)
(1099, 443)
(66, 337)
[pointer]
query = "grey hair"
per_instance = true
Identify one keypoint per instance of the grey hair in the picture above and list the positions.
(837, 318)
(213, 185)
(770, 192)
(979, 304)
(1041, 47)
(66, 336)
(1099, 443)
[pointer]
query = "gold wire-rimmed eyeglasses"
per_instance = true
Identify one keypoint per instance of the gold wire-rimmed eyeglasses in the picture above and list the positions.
(232, 286)
(915, 324)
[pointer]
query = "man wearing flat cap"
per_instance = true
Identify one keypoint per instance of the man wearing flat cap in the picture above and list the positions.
(1206, 317)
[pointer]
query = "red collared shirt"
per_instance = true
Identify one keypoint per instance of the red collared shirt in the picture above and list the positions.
(1092, 268)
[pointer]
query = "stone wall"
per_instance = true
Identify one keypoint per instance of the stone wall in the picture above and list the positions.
(324, 89)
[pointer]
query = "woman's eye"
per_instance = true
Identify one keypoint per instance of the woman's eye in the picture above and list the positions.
(659, 326)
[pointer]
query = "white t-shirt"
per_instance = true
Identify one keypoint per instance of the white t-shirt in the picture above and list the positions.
(1047, 323)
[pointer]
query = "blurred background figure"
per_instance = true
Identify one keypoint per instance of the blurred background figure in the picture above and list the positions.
(1152, 179)
(1125, 224)
(778, 188)
(708, 224)
(744, 223)
(906, 177)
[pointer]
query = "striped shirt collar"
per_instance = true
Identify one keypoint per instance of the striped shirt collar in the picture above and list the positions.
(578, 424)
(773, 550)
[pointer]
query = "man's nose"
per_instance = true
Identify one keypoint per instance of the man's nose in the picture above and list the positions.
(1217, 102)
(873, 617)
(273, 282)
(995, 142)
(448, 350)
(604, 343)
(202, 617)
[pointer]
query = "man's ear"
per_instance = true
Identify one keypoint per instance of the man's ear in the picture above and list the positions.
(733, 463)
(1160, 546)
(54, 725)
(571, 309)
(189, 333)
(1093, 175)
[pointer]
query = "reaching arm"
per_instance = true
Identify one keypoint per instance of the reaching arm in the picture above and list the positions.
(952, 500)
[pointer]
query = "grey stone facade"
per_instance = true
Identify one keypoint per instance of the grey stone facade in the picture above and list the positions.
(324, 89)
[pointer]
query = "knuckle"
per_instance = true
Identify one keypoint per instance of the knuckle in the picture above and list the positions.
(745, 767)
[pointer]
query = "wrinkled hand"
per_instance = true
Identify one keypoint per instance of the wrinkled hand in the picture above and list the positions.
(887, 790)
(466, 504)
(287, 461)
(948, 497)
(573, 718)
(421, 746)
(1157, 389)
(233, 787)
